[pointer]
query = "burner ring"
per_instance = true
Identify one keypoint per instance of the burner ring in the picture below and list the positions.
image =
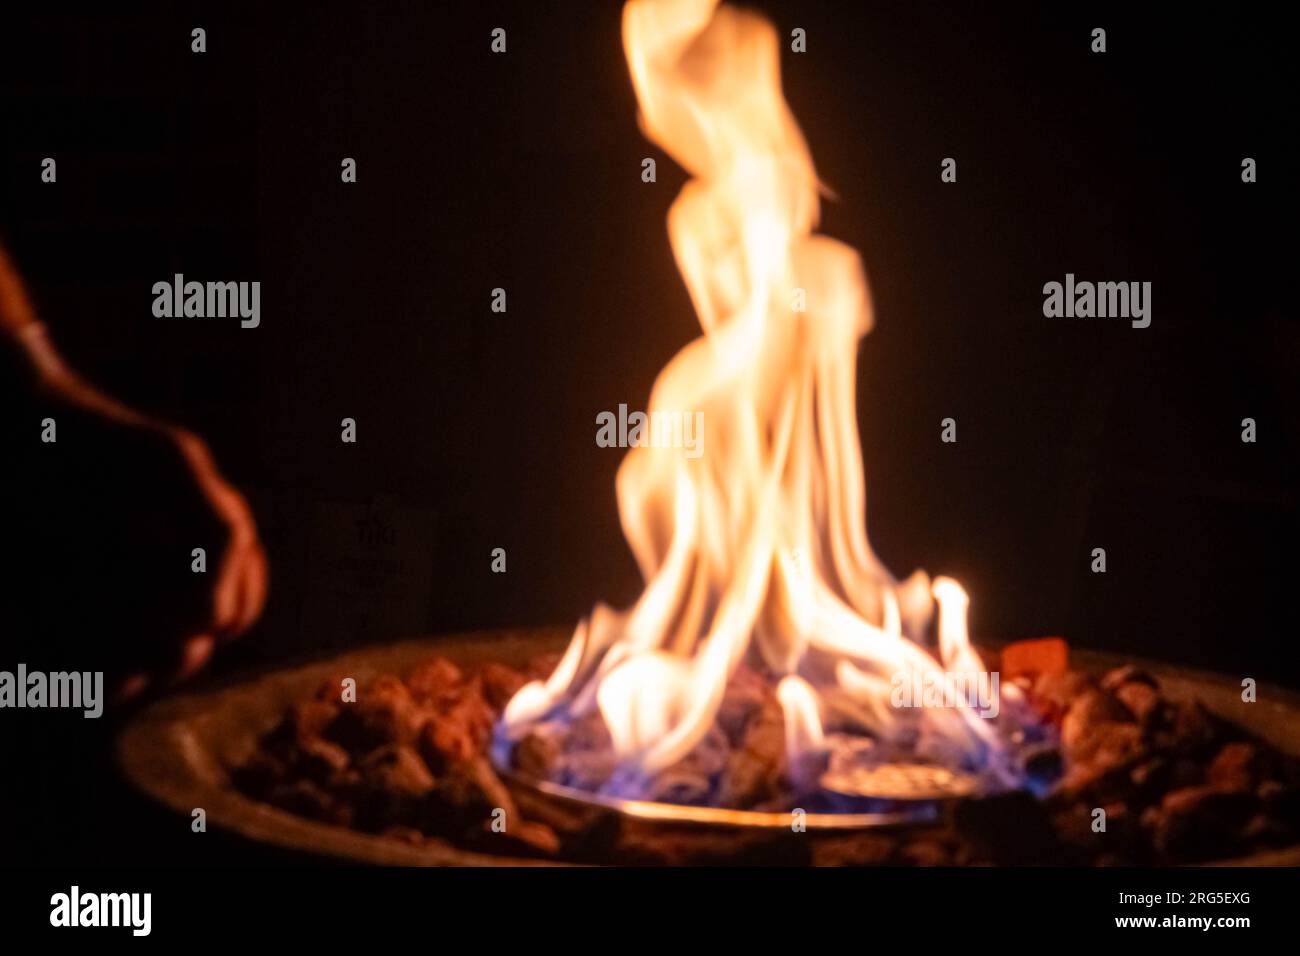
(909, 811)
(902, 782)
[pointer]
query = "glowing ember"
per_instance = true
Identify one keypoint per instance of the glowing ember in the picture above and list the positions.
(756, 551)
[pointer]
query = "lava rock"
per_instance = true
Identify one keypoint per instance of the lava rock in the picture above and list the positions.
(1281, 800)
(537, 754)
(500, 683)
(1237, 766)
(1200, 823)
(459, 730)
(321, 761)
(1189, 728)
(393, 783)
(463, 800)
(1141, 700)
(1127, 674)
(435, 679)
(309, 800)
(383, 713)
(1053, 693)
(1086, 713)
(864, 849)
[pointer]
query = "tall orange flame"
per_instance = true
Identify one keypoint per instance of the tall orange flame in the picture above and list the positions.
(757, 545)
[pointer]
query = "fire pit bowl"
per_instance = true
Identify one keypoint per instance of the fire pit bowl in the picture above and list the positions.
(181, 750)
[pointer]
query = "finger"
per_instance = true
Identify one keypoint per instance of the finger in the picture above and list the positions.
(194, 654)
(132, 686)
(227, 598)
(241, 603)
(240, 591)
(254, 591)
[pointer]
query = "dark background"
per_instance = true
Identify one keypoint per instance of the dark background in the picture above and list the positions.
(476, 430)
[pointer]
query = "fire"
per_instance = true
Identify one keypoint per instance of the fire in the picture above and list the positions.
(758, 545)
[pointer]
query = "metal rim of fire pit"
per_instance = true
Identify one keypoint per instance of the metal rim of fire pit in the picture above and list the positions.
(921, 811)
(910, 801)
(179, 750)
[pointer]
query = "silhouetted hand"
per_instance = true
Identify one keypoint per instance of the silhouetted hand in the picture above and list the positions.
(105, 521)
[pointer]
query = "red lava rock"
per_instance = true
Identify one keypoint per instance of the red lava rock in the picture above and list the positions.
(1044, 655)
(479, 771)
(1122, 826)
(1267, 831)
(463, 800)
(1152, 777)
(1108, 744)
(1237, 766)
(1087, 711)
(537, 754)
(305, 799)
(330, 690)
(461, 728)
(384, 713)
(1281, 800)
(471, 711)
(1054, 692)
(302, 722)
(1128, 674)
(1200, 823)
(310, 718)
(1142, 701)
(445, 743)
(1094, 783)
(1187, 773)
(1072, 825)
(500, 683)
(391, 788)
(435, 679)
(321, 761)
(261, 773)
(397, 768)
(1192, 729)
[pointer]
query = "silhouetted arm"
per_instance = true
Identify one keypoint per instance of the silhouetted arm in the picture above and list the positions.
(239, 591)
